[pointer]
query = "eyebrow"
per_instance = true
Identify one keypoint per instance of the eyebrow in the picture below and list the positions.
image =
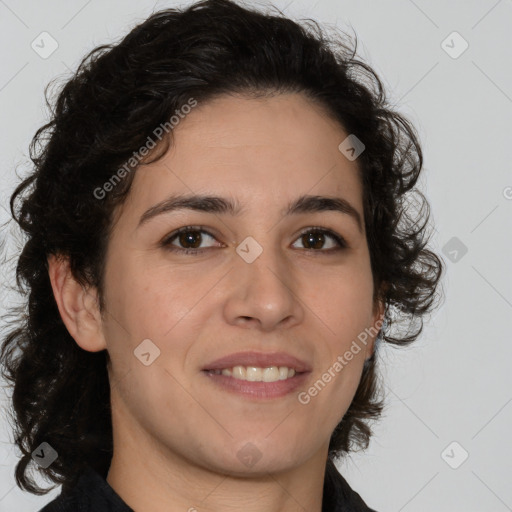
(222, 205)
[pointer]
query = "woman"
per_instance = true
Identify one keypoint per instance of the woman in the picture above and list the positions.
(217, 243)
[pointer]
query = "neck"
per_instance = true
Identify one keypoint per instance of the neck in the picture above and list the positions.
(170, 484)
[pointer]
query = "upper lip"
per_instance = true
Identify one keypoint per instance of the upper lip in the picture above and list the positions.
(259, 359)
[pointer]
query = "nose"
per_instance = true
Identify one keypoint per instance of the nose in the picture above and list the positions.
(264, 293)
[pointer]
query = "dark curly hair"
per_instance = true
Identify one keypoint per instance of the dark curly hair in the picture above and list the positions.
(102, 115)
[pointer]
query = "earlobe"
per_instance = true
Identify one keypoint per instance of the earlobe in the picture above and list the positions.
(375, 330)
(78, 306)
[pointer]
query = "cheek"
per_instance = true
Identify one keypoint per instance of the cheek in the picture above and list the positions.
(343, 300)
(153, 399)
(331, 392)
(169, 307)
(149, 300)
(345, 308)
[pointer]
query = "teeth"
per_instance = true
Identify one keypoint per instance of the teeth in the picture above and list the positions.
(255, 374)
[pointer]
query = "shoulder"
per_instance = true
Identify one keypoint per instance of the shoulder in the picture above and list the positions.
(63, 504)
(338, 495)
(92, 493)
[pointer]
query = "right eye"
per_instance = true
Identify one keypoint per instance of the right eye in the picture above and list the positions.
(189, 237)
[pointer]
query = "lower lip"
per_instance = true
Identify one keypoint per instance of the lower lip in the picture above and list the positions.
(263, 390)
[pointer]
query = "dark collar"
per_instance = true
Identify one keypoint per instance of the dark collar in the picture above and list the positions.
(338, 495)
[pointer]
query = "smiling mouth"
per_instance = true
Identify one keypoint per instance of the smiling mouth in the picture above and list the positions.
(257, 374)
(258, 383)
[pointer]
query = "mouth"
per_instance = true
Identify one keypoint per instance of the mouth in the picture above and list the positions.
(258, 375)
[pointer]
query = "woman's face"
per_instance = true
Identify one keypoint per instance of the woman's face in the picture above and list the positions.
(261, 282)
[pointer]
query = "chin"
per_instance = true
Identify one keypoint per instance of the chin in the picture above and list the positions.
(256, 459)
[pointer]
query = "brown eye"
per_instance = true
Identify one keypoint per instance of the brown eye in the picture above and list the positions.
(315, 239)
(188, 240)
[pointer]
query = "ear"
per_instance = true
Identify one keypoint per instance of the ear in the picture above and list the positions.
(374, 329)
(77, 305)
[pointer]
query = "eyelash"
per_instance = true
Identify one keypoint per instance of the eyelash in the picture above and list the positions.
(166, 243)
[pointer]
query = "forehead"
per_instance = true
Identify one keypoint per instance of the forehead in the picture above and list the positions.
(267, 150)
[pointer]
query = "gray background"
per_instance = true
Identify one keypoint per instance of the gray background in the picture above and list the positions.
(453, 384)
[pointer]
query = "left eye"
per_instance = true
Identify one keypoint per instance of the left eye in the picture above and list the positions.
(317, 236)
(190, 240)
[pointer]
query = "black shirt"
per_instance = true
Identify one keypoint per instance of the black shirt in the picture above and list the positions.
(94, 494)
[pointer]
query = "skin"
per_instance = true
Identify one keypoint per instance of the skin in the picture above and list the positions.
(177, 434)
